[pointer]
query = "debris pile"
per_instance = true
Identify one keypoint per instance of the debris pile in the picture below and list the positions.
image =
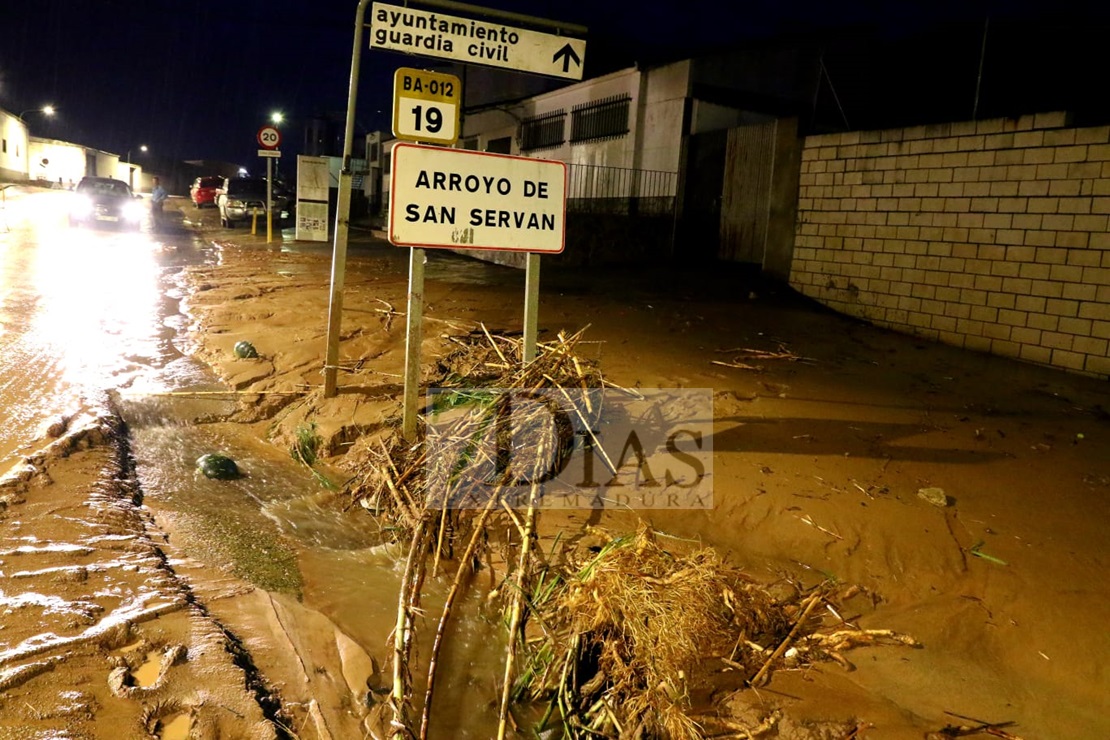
(624, 640)
(627, 636)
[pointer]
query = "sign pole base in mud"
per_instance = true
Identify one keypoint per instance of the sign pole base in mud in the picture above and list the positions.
(413, 339)
(338, 278)
(339, 250)
(531, 305)
(269, 200)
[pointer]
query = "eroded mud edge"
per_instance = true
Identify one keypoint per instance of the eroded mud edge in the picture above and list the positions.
(99, 425)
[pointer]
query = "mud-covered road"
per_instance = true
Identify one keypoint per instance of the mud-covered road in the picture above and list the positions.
(171, 604)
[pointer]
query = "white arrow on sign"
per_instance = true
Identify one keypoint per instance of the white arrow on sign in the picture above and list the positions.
(396, 28)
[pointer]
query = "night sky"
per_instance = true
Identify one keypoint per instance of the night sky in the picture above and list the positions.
(196, 80)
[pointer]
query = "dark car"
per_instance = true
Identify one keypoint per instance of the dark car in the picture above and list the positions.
(104, 200)
(203, 191)
(240, 198)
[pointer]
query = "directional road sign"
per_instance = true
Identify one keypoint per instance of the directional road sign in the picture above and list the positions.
(454, 198)
(426, 106)
(431, 34)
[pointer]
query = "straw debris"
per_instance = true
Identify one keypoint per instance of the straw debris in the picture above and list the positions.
(636, 623)
(622, 640)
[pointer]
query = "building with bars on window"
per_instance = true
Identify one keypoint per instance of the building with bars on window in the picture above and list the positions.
(645, 148)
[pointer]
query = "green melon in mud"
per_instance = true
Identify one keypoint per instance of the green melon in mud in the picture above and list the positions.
(217, 466)
(245, 350)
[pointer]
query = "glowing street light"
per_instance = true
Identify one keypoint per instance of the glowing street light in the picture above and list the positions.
(46, 110)
(277, 117)
(142, 148)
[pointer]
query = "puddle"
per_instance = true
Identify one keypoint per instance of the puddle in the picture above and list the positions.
(176, 728)
(147, 674)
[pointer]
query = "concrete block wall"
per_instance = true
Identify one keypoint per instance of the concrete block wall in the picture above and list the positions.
(991, 235)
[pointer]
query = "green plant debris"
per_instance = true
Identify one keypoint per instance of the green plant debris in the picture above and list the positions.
(306, 450)
(980, 554)
(306, 445)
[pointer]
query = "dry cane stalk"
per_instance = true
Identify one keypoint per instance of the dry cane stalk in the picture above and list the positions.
(439, 539)
(813, 601)
(401, 640)
(405, 503)
(494, 344)
(586, 424)
(518, 598)
(479, 528)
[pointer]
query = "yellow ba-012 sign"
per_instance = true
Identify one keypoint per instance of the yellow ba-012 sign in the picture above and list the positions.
(426, 106)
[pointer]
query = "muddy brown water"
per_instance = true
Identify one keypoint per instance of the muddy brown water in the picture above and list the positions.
(844, 443)
(89, 312)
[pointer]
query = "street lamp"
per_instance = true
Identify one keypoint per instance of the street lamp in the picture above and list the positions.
(142, 148)
(46, 110)
(277, 117)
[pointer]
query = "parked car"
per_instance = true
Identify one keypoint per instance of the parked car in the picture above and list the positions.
(104, 200)
(203, 191)
(241, 197)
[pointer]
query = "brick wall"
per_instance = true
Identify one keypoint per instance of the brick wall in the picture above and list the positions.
(991, 235)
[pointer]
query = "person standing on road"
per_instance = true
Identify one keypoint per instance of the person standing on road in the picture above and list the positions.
(158, 196)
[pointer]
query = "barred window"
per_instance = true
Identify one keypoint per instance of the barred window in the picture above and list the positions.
(602, 118)
(538, 132)
(502, 145)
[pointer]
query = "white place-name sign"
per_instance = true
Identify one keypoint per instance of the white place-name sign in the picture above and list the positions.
(455, 198)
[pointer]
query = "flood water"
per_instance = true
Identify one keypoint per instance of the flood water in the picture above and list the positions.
(89, 312)
(81, 311)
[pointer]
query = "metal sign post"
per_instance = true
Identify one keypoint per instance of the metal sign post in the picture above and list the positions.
(531, 306)
(503, 225)
(269, 138)
(269, 199)
(414, 336)
(339, 249)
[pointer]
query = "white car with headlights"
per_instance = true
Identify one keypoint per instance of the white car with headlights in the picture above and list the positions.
(103, 200)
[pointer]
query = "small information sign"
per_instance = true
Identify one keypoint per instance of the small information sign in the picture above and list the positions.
(426, 106)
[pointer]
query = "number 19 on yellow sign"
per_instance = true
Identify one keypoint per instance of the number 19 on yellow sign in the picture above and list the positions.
(426, 106)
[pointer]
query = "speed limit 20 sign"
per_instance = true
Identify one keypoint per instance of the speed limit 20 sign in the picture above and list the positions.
(426, 106)
(269, 137)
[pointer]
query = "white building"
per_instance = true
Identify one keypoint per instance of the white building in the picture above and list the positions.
(13, 147)
(55, 163)
(684, 153)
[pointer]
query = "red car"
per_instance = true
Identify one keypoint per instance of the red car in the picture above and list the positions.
(203, 191)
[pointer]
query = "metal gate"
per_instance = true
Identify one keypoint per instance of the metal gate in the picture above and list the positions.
(746, 193)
